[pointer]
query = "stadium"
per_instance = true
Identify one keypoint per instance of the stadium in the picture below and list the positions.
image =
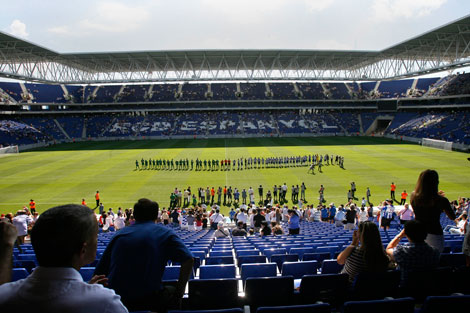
(200, 130)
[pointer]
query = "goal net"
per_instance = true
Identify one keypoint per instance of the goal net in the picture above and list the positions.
(438, 144)
(9, 150)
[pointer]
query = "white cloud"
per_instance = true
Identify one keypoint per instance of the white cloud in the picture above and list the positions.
(388, 10)
(330, 44)
(318, 5)
(108, 17)
(18, 28)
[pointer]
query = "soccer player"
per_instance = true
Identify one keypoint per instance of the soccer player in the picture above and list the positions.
(368, 194)
(260, 192)
(404, 195)
(392, 191)
(137, 165)
(32, 206)
(302, 191)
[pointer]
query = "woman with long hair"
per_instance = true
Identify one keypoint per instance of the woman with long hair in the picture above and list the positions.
(366, 252)
(428, 203)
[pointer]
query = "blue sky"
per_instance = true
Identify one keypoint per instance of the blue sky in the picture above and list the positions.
(109, 25)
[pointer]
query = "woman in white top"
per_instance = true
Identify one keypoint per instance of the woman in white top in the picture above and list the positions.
(362, 215)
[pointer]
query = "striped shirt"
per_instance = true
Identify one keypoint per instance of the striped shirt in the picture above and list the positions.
(354, 264)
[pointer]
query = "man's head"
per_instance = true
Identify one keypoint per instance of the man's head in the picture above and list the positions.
(145, 210)
(64, 236)
(415, 231)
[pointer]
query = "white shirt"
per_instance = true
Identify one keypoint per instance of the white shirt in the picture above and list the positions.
(119, 222)
(363, 216)
(57, 289)
(216, 217)
(21, 223)
(241, 217)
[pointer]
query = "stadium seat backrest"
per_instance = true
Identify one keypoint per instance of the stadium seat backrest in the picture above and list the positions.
(217, 271)
(331, 267)
(245, 259)
(435, 304)
(403, 305)
(376, 285)
(87, 273)
(269, 291)
(19, 273)
(299, 269)
(330, 288)
(258, 270)
(306, 308)
(279, 259)
(219, 260)
(205, 294)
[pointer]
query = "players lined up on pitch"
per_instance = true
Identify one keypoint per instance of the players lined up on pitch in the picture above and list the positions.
(229, 195)
(239, 163)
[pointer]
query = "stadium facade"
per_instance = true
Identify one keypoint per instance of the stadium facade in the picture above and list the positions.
(231, 93)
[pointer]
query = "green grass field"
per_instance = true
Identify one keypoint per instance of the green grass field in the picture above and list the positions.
(69, 172)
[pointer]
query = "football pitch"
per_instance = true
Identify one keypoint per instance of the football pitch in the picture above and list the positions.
(67, 173)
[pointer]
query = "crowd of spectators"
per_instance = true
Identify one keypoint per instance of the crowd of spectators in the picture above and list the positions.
(132, 265)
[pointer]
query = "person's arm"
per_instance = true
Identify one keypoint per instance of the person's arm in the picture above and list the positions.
(185, 272)
(394, 243)
(342, 257)
(448, 209)
(8, 236)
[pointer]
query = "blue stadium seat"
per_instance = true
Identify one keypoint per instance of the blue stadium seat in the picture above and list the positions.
(331, 267)
(301, 251)
(376, 285)
(330, 288)
(258, 270)
(19, 273)
(205, 294)
(172, 273)
(438, 304)
(247, 252)
(305, 308)
(217, 271)
(279, 259)
(272, 251)
(234, 310)
(219, 260)
(245, 259)
(87, 273)
(221, 253)
(423, 283)
(299, 269)
(316, 256)
(269, 291)
(403, 305)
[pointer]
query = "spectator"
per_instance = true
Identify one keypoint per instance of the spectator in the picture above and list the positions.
(215, 219)
(221, 232)
(258, 218)
(21, 222)
(350, 217)
(416, 255)
(135, 260)
(265, 229)
(294, 226)
(240, 230)
(64, 239)
(119, 221)
(340, 216)
(406, 214)
(428, 203)
(368, 257)
(276, 228)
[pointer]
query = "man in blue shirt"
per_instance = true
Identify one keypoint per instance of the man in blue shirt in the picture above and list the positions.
(331, 213)
(135, 259)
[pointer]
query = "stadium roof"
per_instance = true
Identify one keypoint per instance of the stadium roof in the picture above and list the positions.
(444, 48)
